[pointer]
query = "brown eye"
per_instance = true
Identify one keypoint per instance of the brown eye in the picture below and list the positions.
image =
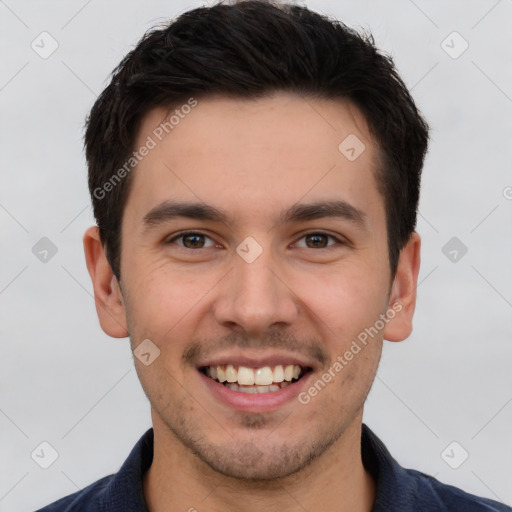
(192, 240)
(316, 241)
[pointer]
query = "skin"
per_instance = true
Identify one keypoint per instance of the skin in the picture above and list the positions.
(252, 159)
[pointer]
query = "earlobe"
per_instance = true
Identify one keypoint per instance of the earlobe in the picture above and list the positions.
(107, 293)
(402, 299)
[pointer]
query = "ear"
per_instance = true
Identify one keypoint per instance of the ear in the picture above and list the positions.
(107, 293)
(402, 298)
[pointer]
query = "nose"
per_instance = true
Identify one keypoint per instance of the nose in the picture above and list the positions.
(256, 296)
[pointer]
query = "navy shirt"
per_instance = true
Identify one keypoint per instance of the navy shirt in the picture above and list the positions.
(398, 489)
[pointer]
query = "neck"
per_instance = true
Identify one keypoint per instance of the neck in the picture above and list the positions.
(336, 481)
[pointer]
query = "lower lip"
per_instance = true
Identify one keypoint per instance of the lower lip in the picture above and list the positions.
(255, 402)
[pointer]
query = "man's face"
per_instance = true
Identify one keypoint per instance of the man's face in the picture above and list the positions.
(259, 287)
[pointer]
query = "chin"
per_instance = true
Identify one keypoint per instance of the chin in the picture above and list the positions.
(262, 461)
(263, 469)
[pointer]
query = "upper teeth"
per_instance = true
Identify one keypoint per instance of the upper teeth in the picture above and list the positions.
(263, 376)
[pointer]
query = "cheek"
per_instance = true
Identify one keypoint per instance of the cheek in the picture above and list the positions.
(352, 384)
(346, 300)
(162, 297)
(167, 306)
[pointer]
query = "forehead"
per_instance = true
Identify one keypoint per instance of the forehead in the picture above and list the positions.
(251, 157)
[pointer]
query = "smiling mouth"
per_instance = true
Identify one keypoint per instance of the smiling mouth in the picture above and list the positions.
(264, 379)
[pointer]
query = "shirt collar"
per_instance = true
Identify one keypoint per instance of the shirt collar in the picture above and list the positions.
(125, 492)
(391, 479)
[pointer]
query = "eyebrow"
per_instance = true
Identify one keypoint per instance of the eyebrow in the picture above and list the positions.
(322, 209)
(170, 210)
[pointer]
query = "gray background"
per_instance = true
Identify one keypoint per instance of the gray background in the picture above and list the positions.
(63, 381)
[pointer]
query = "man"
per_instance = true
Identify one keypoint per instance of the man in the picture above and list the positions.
(254, 170)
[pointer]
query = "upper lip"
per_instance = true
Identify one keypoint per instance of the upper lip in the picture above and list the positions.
(256, 361)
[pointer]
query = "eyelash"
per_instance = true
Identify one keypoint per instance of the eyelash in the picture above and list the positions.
(182, 234)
